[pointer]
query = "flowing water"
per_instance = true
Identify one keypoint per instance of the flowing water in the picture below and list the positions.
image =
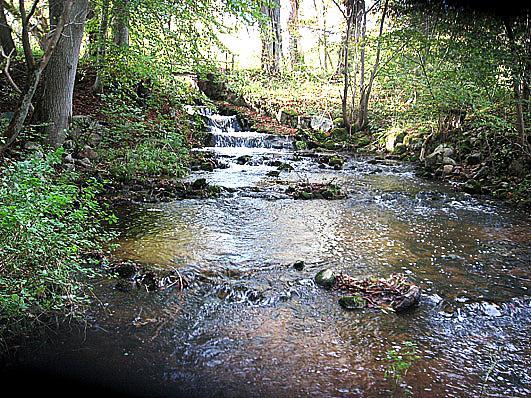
(252, 325)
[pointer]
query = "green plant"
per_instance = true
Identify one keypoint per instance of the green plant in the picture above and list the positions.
(48, 221)
(146, 141)
(400, 358)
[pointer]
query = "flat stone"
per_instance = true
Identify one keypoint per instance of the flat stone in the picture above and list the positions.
(352, 302)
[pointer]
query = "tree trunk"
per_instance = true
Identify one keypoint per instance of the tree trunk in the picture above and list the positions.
(271, 38)
(55, 108)
(517, 87)
(345, 66)
(102, 45)
(293, 27)
(6, 39)
(17, 123)
(121, 23)
(365, 92)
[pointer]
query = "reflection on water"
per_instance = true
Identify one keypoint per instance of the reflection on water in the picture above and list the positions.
(254, 326)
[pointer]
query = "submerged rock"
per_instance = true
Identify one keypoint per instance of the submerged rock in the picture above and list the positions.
(200, 183)
(325, 278)
(472, 187)
(352, 302)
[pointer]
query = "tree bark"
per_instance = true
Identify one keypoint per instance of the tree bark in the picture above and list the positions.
(55, 108)
(365, 92)
(6, 38)
(121, 23)
(271, 38)
(293, 27)
(102, 45)
(17, 123)
(517, 87)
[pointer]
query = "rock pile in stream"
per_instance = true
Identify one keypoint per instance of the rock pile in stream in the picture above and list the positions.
(306, 191)
(396, 292)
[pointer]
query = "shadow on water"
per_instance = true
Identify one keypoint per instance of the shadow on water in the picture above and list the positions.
(251, 325)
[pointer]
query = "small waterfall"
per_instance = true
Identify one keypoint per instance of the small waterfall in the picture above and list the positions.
(226, 132)
(250, 139)
(218, 123)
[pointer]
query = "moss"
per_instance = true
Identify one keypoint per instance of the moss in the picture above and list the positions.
(352, 302)
(301, 145)
(339, 133)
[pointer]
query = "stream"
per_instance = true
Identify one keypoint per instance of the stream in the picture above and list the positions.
(251, 325)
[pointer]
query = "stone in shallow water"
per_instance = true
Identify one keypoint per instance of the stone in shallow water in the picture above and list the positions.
(325, 278)
(490, 309)
(410, 299)
(352, 302)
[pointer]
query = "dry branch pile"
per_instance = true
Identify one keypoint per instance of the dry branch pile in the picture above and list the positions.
(395, 292)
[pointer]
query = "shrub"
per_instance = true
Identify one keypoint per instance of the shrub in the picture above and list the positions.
(47, 222)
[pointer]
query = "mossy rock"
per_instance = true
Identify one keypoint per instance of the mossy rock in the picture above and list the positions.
(325, 278)
(244, 159)
(353, 302)
(400, 149)
(329, 145)
(472, 187)
(285, 167)
(301, 145)
(362, 141)
(304, 195)
(339, 133)
(336, 161)
(338, 122)
(330, 193)
(207, 166)
(200, 183)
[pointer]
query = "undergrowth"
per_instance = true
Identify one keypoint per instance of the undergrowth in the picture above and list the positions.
(49, 223)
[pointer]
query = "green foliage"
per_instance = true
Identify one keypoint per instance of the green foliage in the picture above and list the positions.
(172, 37)
(399, 360)
(47, 222)
(144, 143)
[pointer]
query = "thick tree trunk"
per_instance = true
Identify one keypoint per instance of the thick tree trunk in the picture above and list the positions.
(345, 71)
(55, 108)
(6, 39)
(17, 123)
(121, 23)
